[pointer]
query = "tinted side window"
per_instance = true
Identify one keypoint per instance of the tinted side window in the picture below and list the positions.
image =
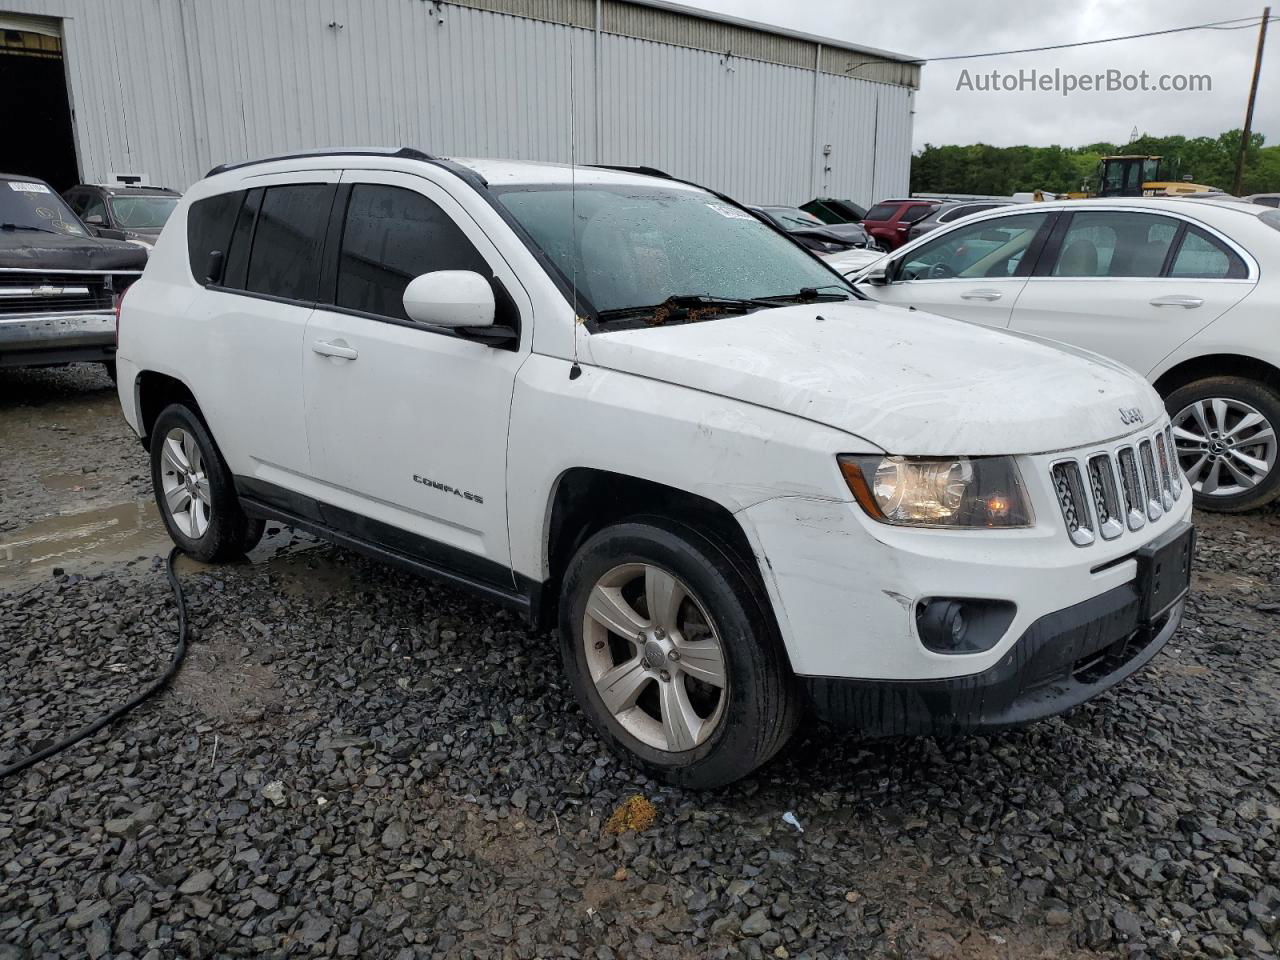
(881, 211)
(391, 236)
(916, 212)
(209, 229)
(1203, 257)
(288, 240)
(1115, 244)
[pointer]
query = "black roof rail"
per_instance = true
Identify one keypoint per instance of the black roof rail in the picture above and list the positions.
(403, 153)
(643, 171)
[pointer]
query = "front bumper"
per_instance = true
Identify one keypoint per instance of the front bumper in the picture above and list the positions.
(33, 339)
(1062, 660)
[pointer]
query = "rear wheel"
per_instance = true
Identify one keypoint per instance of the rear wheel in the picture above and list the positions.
(195, 491)
(673, 655)
(1224, 431)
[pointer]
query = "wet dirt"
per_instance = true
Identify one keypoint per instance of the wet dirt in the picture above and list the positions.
(75, 487)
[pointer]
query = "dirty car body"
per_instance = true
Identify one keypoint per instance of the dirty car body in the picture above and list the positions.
(58, 283)
(912, 524)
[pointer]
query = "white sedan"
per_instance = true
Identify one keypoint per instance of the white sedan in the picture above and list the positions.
(1187, 293)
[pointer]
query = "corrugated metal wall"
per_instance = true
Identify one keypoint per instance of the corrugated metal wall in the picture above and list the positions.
(171, 87)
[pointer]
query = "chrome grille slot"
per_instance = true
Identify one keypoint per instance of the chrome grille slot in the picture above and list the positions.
(1150, 480)
(1106, 497)
(1131, 486)
(1175, 468)
(1073, 501)
(1166, 475)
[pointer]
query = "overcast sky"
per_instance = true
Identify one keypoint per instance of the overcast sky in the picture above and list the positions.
(947, 115)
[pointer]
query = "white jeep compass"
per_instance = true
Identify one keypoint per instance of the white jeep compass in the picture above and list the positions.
(620, 403)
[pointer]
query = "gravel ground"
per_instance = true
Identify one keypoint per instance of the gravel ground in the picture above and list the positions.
(357, 763)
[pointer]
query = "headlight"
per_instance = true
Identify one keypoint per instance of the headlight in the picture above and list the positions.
(957, 492)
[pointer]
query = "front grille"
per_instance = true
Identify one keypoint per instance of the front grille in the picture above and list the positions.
(59, 292)
(1166, 475)
(1134, 502)
(1106, 499)
(1126, 486)
(1069, 489)
(1175, 468)
(1150, 480)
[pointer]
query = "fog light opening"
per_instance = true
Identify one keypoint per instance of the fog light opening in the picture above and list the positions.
(953, 625)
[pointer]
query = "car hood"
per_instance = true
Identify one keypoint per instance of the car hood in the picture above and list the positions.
(31, 249)
(849, 261)
(907, 381)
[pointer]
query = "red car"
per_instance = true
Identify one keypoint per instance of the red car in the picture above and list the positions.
(889, 221)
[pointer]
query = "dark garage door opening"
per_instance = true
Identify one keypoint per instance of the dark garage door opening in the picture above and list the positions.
(35, 111)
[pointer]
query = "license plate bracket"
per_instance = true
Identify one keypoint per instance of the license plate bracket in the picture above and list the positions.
(1164, 571)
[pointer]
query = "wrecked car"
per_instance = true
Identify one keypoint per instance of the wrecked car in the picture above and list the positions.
(624, 406)
(59, 284)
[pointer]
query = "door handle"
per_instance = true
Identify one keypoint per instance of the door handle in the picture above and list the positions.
(334, 348)
(1188, 303)
(980, 295)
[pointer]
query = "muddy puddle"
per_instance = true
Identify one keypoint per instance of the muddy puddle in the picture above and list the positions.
(87, 541)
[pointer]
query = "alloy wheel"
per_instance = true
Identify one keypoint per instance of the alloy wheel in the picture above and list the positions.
(1225, 446)
(185, 483)
(655, 657)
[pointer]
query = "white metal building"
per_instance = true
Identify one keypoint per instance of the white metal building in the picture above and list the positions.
(169, 88)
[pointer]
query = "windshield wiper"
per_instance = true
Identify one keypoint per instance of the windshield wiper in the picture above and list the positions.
(812, 295)
(24, 226)
(678, 306)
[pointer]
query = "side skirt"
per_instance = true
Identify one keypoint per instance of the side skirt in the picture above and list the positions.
(525, 596)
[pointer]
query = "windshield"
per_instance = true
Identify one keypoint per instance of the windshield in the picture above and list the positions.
(142, 213)
(25, 205)
(636, 246)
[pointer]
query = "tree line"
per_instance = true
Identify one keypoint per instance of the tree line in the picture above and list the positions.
(984, 169)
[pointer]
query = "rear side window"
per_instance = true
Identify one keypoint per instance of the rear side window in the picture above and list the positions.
(917, 212)
(1115, 244)
(1203, 257)
(209, 223)
(287, 242)
(882, 211)
(391, 236)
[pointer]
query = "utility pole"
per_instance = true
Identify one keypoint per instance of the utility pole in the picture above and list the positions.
(1237, 185)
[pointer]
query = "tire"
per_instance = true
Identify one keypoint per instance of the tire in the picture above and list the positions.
(1214, 427)
(213, 527)
(733, 728)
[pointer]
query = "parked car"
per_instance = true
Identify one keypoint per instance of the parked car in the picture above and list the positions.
(830, 210)
(1266, 199)
(889, 221)
(946, 213)
(58, 283)
(846, 246)
(1187, 293)
(622, 404)
(122, 211)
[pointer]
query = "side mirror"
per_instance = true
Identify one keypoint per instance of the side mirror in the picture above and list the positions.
(877, 273)
(107, 233)
(95, 220)
(450, 298)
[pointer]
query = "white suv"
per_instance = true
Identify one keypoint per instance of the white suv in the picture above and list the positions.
(622, 404)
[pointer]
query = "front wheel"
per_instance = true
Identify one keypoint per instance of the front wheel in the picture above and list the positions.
(673, 654)
(195, 491)
(1224, 431)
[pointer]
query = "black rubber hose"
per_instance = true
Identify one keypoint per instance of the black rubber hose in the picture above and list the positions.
(92, 728)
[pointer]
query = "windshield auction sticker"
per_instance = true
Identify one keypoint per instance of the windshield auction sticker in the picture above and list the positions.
(23, 186)
(731, 212)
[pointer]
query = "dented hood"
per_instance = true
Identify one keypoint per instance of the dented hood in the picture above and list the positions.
(909, 382)
(32, 249)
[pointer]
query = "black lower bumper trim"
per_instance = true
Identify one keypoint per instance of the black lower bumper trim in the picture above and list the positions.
(1063, 659)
